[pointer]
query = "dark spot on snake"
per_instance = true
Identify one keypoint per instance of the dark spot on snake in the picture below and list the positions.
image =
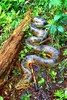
(46, 62)
(54, 60)
(59, 54)
(41, 47)
(41, 37)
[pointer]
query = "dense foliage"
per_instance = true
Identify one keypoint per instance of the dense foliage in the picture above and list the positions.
(12, 11)
(55, 11)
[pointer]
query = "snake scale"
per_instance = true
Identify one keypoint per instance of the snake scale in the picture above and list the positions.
(39, 35)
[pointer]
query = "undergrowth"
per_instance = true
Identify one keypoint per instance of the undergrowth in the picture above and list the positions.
(55, 12)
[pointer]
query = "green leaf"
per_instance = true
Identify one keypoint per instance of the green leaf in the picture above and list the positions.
(48, 25)
(35, 12)
(66, 94)
(60, 29)
(1, 98)
(64, 19)
(54, 3)
(0, 9)
(60, 81)
(41, 81)
(59, 93)
(58, 2)
(54, 73)
(25, 97)
(65, 4)
(22, 55)
(53, 29)
(57, 16)
(21, 1)
(21, 52)
(29, 47)
(25, 50)
(65, 52)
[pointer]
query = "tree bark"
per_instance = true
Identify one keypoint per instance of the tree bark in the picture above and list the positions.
(10, 49)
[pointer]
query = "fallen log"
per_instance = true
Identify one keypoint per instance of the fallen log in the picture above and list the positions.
(10, 48)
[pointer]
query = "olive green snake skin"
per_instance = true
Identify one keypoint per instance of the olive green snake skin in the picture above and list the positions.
(39, 35)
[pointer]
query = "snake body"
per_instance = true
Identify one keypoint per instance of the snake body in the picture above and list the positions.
(34, 59)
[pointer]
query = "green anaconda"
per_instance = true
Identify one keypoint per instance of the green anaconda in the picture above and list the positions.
(39, 35)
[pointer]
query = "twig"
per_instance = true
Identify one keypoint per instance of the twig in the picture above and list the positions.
(34, 77)
(45, 40)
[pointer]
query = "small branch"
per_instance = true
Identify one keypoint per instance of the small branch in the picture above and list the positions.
(45, 40)
(34, 77)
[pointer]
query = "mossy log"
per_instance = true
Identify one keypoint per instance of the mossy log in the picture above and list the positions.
(10, 49)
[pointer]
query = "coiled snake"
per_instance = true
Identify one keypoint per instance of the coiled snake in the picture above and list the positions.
(34, 59)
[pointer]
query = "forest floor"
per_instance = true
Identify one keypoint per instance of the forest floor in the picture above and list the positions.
(46, 90)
